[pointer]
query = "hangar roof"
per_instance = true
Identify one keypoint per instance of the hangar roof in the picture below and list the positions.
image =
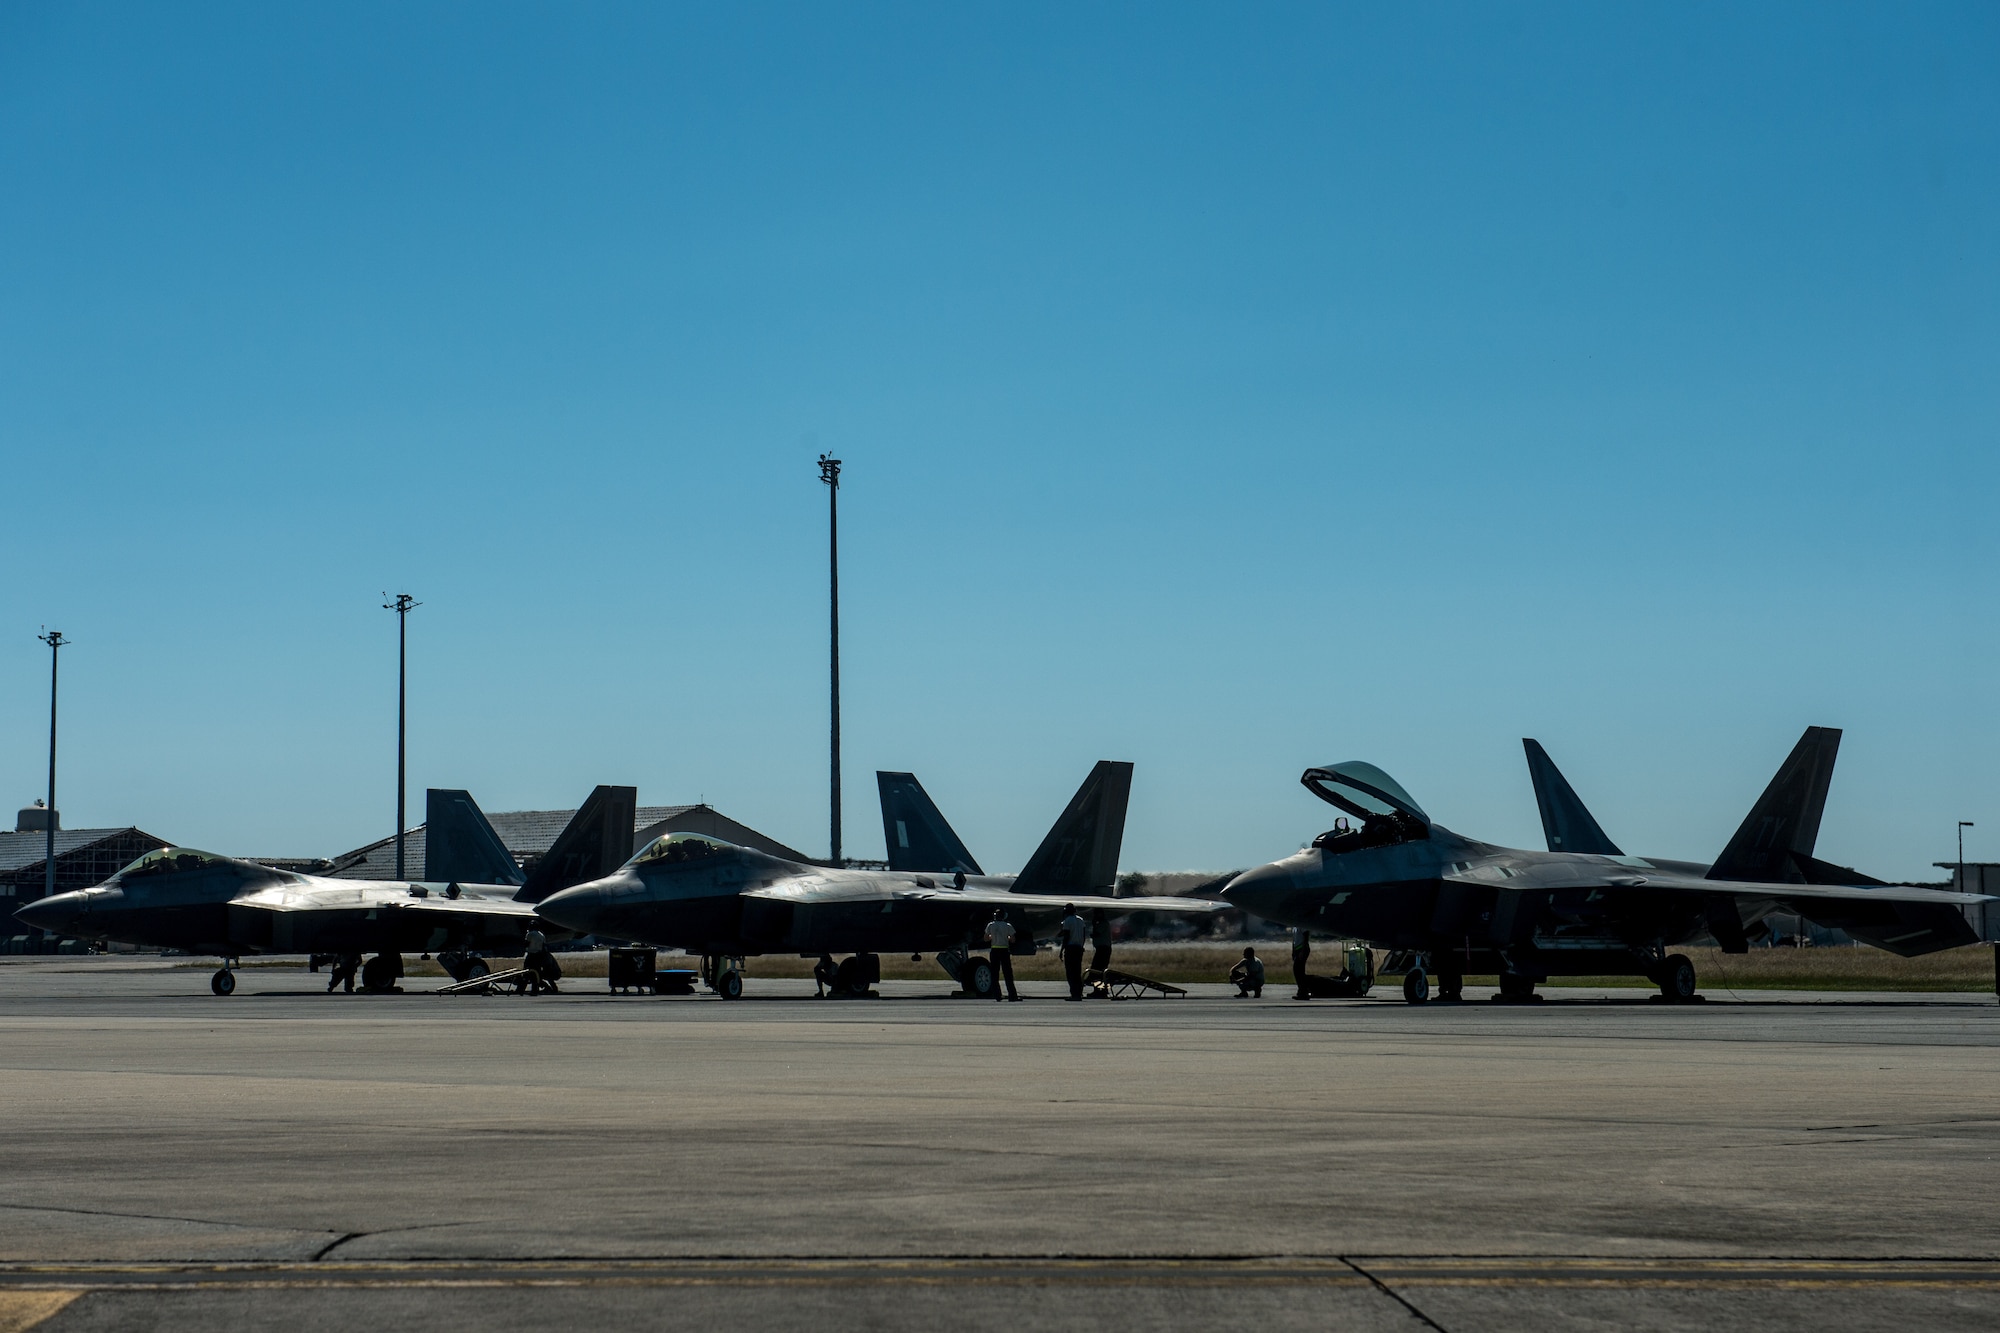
(84, 856)
(18, 851)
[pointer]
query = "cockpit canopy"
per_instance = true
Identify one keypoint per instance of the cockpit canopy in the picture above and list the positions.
(1362, 789)
(1389, 814)
(171, 860)
(672, 847)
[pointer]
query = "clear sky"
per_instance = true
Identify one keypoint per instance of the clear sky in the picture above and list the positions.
(1227, 389)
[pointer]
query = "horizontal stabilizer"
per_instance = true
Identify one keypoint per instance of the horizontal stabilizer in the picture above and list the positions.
(1080, 854)
(460, 846)
(595, 842)
(917, 835)
(1904, 928)
(1826, 872)
(1565, 823)
(1785, 820)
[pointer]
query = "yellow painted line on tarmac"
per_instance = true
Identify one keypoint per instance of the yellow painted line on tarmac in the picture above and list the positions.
(22, 1310)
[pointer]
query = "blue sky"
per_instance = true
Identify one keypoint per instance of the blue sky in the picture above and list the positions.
(1228, 389)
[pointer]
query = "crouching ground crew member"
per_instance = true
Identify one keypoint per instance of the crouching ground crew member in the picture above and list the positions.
(1248, 975)
(1074, 933)
(1000, 943)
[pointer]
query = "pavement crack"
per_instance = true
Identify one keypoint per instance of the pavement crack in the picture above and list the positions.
(1394, 1295)
(335, 1244)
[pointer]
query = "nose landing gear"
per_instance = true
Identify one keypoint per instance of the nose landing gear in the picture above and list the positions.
(224, 980)
(1676, 979)
(723, 974)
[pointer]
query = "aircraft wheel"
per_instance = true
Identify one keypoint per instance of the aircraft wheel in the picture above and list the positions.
(1677, 978)
(979, 980)
(476, 968)
(1516, 988)
(1416, 986)
(223, 982)
(1450, 987)
(730, 985)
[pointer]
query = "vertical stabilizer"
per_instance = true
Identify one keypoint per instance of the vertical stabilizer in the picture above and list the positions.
(1080, 854)
(459, 845)
(595, 842)
(917, 835)
(1565, 823)
(1784, 823)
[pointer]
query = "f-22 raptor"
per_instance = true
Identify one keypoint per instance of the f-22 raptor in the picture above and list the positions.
(705, 896)
(475, 899)
(1450, 905)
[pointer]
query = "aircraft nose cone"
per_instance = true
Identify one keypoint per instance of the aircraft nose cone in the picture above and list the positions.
(576, 909)
(1257, 888)
(54, 915)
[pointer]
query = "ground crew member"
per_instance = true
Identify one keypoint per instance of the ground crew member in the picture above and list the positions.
(541, 963)
(1073, 932)
(1000, 943)
(1100, 940)
(344, 967)
(1248, 975)
(824, 974)
(1302, 948)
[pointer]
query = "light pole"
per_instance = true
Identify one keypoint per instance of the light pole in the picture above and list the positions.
(829, 473)
(1963, 825)
(402, 604)
(55, 640)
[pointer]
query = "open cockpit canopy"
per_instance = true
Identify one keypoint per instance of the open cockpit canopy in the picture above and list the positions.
(170, 860)
(672, 847)
(1362, 789)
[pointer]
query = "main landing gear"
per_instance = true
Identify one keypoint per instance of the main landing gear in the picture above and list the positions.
(224, 980)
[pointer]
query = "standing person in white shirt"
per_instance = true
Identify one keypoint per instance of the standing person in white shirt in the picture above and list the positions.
(1000, 943)
(1075, 933)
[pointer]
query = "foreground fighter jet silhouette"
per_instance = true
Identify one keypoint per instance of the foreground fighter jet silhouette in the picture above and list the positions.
(700, 894)
(476, 898)
(1453, 905)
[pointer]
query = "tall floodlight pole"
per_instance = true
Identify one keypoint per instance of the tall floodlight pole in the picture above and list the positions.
(402, 604)
(55, 641)
(1963, 825)
(829, 472)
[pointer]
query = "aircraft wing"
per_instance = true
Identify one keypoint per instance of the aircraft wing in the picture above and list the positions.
(337, 895)
(1902, 918)
(974, 895)
(1660, 880)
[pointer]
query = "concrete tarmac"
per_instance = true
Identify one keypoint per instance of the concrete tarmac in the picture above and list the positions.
(1774, 1161)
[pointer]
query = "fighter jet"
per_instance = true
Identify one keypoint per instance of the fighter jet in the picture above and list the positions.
(1452, 905)
(700, 894)
(476, 898)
